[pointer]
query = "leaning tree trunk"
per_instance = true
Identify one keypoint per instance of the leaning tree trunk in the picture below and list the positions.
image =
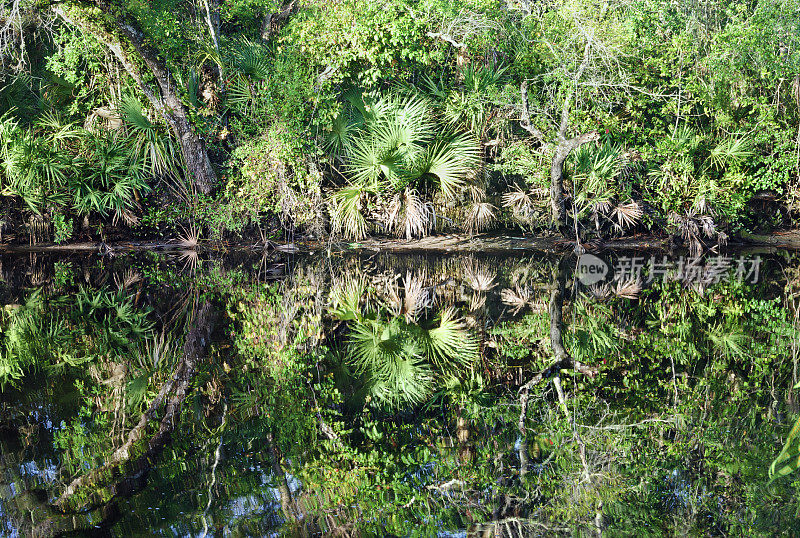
(121, 28)
(99, 486)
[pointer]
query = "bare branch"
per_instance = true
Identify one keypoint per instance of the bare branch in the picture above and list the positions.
(562, 130)
(447, 39)
(525, 120)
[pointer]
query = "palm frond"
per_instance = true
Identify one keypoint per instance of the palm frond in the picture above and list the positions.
(730, 343)
(345, 297)
(517, 298)
(416, 296)
(410, 216)
(346, 213)
(252, 59)
(391, 356)
(240, 93)
(729, 151)
(155, 153)
(450, 343)
(451, 162)
(479, 276)
(628, 215)
(480, 216)
(628, 289)
(518, 201)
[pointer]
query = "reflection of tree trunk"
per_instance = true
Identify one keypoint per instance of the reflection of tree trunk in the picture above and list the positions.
(524, 461)
(288, 504)
(29, 513)
(103, 484)
(164, 97)
(465, 452)
(563, 359)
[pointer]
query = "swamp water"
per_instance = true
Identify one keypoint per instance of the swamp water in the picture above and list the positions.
(380, 395)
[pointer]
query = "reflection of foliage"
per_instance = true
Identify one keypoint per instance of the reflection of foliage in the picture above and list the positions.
(788, 460)
(401, 359)
(70, 331)
(675, 430)
(276, 324)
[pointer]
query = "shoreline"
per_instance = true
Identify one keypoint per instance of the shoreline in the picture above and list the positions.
(487, 243)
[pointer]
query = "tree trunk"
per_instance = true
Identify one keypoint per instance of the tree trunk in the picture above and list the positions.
(557, 198)
(164, 98)
(273, 21)
(101, 485)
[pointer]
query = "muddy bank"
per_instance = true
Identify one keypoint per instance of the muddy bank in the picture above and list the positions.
(494, 243)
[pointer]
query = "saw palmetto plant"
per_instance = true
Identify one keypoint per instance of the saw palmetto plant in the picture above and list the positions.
(155, 152)
(393, 145)
(596, 187)
(697, 175)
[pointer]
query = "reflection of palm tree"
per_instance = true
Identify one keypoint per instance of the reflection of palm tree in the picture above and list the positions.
(401, 360)
(480, 277)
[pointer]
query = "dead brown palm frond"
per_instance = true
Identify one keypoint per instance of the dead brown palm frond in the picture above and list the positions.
(129, 278)
(687, 227)
(600, 292)
(629, 289)
(190, 237)
(518, 298)
(702, 206)
(480, 216)
(603, 207)
(518, 201)
(476, 193)
(479, 276)
(477, 301)
(708, 226)
(628, 215)
(190, 258)
(37, 277)
(38, 228)
(416, 296)
(126, 216)
(410, 216)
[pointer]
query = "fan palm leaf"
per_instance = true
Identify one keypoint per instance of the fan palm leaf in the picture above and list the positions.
(346, 212)
(154, 153)
(729, 151)
(450, 343)
(450, 162)
(252, 59)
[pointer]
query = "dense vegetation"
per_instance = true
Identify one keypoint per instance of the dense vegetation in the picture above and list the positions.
(400, 117)
(195, 391)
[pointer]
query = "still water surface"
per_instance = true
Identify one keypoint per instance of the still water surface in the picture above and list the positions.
(379, 395)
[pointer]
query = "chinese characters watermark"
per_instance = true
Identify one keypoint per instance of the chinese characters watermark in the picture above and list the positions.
(696, 270)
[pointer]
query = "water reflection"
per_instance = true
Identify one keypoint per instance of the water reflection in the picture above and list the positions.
(396, 395)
